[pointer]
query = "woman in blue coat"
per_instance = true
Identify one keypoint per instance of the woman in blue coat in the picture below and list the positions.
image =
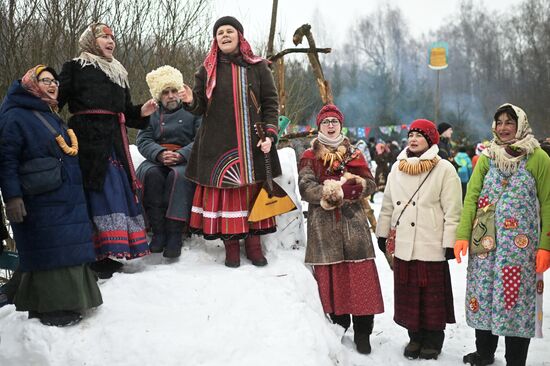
(50, 224)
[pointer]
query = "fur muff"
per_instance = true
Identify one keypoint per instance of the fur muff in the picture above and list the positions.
(333, 195)
(162, 78)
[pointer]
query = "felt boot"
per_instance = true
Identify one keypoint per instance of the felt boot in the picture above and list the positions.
(232, 253)
(253, 247)
(362, 327)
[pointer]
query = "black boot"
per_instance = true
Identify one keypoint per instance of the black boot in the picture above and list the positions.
(362, 328)
(173, 245)
(155, 216)
(158, 242)
(486, 346)
(516, 350)
(412, 350)
(61, 318)
(431, 344)
(343, 320)
(174, 235)
(105, 268)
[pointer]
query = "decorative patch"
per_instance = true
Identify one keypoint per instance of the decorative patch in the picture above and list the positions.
(482, 255)
(473, 305)
(511, 223)
(521, 241)
(483, 202)
(540, 287)
(511, 277)
(488, 242)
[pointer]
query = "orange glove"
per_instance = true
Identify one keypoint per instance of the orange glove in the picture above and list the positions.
(461, 248)
(543, 260)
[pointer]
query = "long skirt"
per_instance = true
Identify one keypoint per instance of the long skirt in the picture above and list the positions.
(68, 288)
(119, 228)
(349, 288)
(423, 295)
(222, 213)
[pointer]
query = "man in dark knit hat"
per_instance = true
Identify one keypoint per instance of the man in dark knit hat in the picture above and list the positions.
(445, 132)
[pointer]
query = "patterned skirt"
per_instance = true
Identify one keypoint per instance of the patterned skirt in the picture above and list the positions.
(222, 213)
(349, 288)
(119, 229)
(423, 295)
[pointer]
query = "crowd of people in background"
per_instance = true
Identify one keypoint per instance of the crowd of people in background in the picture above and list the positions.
(77, 206)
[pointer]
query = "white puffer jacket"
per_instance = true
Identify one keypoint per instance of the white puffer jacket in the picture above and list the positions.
(429, 223)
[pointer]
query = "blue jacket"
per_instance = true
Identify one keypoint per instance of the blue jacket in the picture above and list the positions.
(464, 166)
(57, 231)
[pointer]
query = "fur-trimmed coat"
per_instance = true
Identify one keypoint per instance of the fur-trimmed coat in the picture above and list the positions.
(224, 156)
(338, 229)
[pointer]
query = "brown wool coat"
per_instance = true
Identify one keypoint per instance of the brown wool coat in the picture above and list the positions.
(217, 135)
(340, 234)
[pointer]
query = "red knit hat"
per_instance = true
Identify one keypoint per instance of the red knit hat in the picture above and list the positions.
(330, 110)
(427, 129)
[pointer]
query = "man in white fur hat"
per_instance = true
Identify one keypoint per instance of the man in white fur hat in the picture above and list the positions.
(166, 144)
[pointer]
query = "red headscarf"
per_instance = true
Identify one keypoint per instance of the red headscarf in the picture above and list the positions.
(30, 83)
(211, 61)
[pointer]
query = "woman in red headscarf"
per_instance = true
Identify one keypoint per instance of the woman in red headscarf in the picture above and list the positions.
(233, 90)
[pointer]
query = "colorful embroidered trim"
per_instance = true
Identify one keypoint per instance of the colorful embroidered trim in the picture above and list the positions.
(242, 123)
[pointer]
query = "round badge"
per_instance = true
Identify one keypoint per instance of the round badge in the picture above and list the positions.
(474, 305)
(488, 242)
(521, 241)
(540, 286)
(482, 255)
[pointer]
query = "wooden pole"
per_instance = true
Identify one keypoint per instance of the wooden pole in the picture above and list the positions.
(436, 118)
(281, 86)
(272, 28)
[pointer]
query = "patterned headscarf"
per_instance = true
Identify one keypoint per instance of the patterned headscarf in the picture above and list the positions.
(87, 41)
(90, 54)
(508, 155)
(30, 83)
(211, 61)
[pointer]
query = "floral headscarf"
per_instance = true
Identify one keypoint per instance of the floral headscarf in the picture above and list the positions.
(29, 81)
(91, 54)
(508, 155)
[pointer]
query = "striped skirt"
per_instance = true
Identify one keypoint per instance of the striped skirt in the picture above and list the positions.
(222, 213)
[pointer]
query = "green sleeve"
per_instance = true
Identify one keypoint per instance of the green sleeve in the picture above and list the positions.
(538, 165)
(470, 201)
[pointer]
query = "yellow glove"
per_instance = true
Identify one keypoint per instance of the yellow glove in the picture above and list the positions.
(461, 248)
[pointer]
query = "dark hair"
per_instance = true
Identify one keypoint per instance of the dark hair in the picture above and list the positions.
(508, 110)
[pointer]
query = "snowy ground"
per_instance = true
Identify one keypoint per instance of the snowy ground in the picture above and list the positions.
(196, 311)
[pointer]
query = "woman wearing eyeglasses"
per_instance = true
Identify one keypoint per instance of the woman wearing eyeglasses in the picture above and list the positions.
(334, 178)
(47, 211)
(96, 88)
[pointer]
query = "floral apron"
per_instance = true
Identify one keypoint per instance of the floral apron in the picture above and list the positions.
(503, 293)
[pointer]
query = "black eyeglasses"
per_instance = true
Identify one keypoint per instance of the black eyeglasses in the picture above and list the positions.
(47, 81)
(327, 122)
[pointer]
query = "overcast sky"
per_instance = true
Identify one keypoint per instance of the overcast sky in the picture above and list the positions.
(333, 17)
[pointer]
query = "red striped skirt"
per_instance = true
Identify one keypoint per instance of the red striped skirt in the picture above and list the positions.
(349, 288)
(423, 295)
(222, 213)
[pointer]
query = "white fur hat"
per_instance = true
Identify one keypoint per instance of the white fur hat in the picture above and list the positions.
(162, 78)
